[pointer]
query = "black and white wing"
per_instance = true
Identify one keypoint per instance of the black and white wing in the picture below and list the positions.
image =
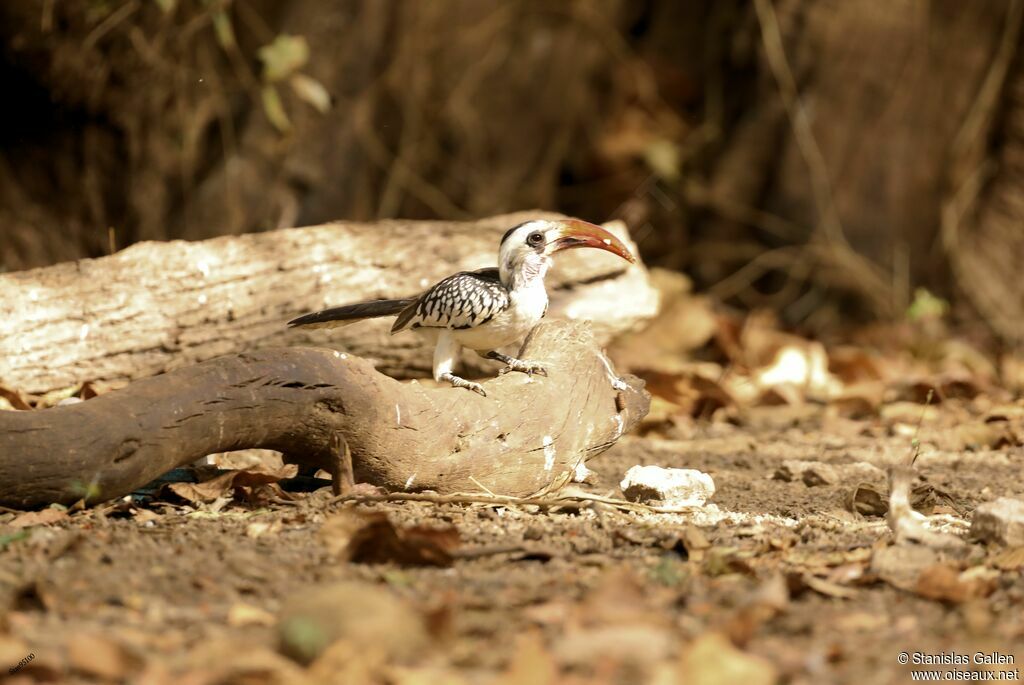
(463, 300)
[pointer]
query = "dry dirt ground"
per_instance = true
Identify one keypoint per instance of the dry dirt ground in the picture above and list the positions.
(775, 580)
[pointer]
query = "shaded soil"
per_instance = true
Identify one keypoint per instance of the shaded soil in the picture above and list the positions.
(601, 588)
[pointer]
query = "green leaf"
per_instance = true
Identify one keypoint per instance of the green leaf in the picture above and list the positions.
(275, 109)
(283, 57)
(312, 91)
(12, 537)
(167, 5)
(662, 156)
(926, 306)
(223, 28)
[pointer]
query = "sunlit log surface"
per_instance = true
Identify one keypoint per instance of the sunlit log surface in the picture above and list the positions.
(159, 306)
(529, 435)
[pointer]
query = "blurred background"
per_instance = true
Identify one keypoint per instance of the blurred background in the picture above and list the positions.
(835, 161)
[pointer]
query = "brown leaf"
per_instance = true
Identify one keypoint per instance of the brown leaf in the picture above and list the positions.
(38, 518)
(712, 660)
(992, 435)
(1012, 372)
(241, 614)
(721, 561)
(100, 657)
(532, 663)
(1010, 559)
(939, 388)
(859, 401)
(684, 323)
(826, 587)
(690, 390)
(902, 565)
(14, 398)
(801, 364)
(868, 501)
(367, 616)
(371, 538)
(770, 599)
(854, 365)
(694, 542)
(225, 483)
(783, 394)
(945, 583)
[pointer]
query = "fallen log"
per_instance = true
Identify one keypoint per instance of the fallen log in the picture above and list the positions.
(158, 306)
(529, 436)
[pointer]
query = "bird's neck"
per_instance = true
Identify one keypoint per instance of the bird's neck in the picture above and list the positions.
(525, 275)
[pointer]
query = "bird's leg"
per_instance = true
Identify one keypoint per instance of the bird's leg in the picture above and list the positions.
(513, 364)
(462, 383)
(445, 354)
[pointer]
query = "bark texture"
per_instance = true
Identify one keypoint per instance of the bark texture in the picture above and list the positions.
(158, 306)
(527, 436)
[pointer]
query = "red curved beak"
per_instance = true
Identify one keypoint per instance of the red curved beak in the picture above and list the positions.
(576, 233)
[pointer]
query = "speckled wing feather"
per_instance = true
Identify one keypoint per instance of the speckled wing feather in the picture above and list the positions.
(463, 300)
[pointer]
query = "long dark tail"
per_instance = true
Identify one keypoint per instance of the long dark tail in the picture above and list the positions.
(350, 313)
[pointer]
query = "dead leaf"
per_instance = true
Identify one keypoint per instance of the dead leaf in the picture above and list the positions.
(1010, 559)
(694, 542)
(992, 435)
(826, 587)
(365, 615)
(145, 515)
(861, 621)
(692, 390)
(12, 649)
(226, 660)
(783, 394)
(371, 538)
(938, 388)
(1012, 372)
(225, 484)
(39, 518)
(14, 398)
(854, 365)
(803, 365)
(812, 473)
(945, 583)
(258, 529)
(346, 662)
(241, 614)
(101, 657)
(312, 91)
(868, 501)
(532, 663)
(902, 565)
(859, 401)
(721, 561)
(770, 599)
(684, 323)
(713, 660)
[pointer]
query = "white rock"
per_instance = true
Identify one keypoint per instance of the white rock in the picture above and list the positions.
(670, 487)
(1000, 521)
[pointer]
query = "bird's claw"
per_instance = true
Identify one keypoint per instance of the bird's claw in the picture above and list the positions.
(529, 368)
(463, 383)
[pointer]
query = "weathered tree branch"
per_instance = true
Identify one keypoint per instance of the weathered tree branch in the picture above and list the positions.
(158, 306)
(528, 436)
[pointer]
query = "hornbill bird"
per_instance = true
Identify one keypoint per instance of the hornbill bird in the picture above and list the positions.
(487, 309)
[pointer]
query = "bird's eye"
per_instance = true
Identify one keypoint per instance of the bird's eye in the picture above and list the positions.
(535, 239)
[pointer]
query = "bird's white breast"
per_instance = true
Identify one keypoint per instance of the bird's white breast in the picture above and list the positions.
(527, 306)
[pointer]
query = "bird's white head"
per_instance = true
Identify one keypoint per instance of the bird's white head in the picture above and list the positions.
(525, 252)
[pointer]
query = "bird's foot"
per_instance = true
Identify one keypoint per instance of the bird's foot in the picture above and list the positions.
(529, 368)
(462, 383)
